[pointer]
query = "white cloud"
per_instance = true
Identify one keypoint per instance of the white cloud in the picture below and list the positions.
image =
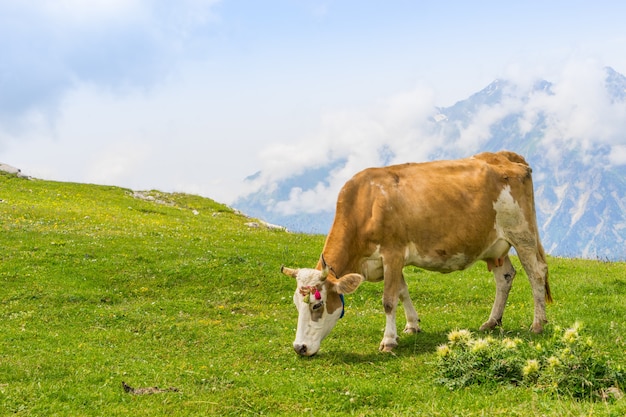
(617, 156)
(349, 141)
(50, 47)
(309, 201)
(84, 11)
(478, 131)
(117, 161)
(100, 12)
(202, 90)
(579, 115)
(141, 141)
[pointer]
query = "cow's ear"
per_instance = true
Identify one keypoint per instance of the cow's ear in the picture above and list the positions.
(293, 273)
(348, 283)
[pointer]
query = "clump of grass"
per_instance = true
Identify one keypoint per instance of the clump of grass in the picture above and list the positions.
(568, 363)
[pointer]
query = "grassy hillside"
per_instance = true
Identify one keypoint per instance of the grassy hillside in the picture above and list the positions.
(98, 286)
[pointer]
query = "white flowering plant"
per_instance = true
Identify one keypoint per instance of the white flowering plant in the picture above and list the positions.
(565, 364)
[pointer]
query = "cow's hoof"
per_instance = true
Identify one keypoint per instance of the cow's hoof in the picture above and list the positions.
(412, 329)
(388, 346)
(490, 325)
(537, 327)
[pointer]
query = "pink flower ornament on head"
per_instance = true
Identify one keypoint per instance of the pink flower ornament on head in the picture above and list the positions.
(306, 293)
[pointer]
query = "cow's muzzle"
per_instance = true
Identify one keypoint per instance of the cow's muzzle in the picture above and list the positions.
(302, 350)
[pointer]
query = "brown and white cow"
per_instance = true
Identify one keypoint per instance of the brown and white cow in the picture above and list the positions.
(442, 216)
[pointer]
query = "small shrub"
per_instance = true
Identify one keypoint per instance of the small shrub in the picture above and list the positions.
(566, 364)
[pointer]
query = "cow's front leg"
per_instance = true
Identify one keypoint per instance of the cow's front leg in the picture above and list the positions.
(503, 276)
(390, 338)
(391, 295)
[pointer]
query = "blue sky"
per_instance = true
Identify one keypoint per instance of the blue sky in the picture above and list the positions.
(195, 95)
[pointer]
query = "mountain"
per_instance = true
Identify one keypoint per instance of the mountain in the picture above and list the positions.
(579, 175)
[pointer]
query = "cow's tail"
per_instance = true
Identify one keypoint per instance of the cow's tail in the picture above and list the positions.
(542, 258)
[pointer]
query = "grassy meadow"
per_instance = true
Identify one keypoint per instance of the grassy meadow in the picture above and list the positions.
(99, 287)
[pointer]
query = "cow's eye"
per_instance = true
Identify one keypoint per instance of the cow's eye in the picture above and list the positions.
(317, 306)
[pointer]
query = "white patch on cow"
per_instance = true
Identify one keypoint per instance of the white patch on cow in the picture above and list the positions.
(509, 214)
(372, 266)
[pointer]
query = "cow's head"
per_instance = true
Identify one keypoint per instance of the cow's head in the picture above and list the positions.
(319, 300)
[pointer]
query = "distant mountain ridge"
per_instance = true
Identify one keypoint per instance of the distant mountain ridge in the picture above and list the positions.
(580, 194)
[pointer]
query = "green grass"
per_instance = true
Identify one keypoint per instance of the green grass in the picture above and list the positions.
(100, 287)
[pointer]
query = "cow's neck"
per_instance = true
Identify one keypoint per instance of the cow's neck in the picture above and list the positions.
(341, 258)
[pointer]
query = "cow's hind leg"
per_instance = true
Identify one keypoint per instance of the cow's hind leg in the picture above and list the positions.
(534, 263)
(503, 276)
(412, 319)
(394, 283)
